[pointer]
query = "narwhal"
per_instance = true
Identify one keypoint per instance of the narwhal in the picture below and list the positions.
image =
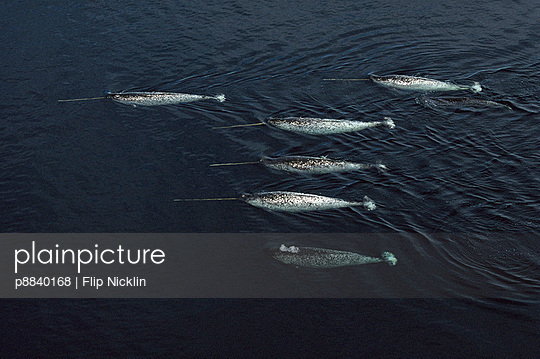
(312, 257)
(320, 126)
(283, 201)
(415, 83)
(151, 98)
(404, 82)
(461, 102)
(307, 164)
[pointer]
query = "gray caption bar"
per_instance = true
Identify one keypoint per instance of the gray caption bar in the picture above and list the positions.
(212, 265)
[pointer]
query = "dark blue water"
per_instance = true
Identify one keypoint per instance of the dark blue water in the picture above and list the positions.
(100, 166)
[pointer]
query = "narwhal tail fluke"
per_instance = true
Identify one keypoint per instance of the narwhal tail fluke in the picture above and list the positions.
(220, 97)
(388, 122)
(380, 167)
(367, 203)
(389, 258)
(476, 87)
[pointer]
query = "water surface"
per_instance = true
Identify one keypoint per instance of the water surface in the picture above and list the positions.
(100, 166)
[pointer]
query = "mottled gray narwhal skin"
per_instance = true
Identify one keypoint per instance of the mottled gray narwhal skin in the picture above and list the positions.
(301, 202)
(404, 82)
(306, 164)
(312, 257)
(324, 126)
(458, 102)
(159, 98)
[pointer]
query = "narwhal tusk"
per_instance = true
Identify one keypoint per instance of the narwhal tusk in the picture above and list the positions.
(234, 163)
(83, 99)
(206, 199)
(250, 124)
(346, 79)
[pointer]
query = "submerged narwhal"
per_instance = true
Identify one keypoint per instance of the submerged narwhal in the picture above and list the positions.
(312, 257)
(405, 82)
(284, 201)
(459, 102)
(308, 164)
